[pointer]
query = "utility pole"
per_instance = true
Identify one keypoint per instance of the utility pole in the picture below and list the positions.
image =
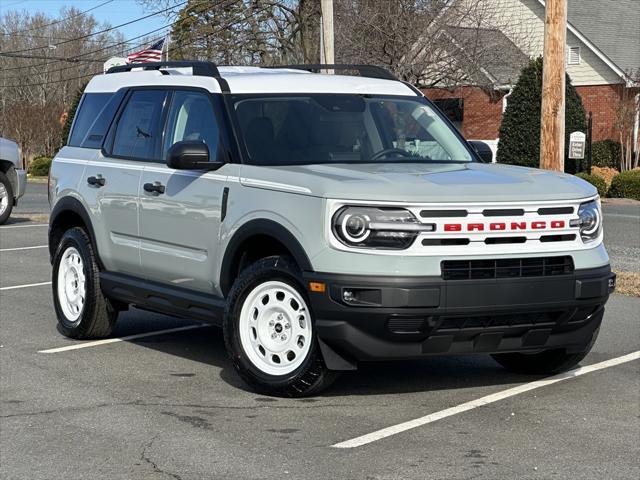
(553, 86)
(327, 31)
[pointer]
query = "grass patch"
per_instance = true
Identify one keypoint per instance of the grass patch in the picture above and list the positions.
(628, 283)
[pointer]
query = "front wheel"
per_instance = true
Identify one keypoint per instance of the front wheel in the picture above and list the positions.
(543, 363)
(82, 310)
(269, 331)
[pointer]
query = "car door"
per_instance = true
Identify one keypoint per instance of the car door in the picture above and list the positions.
(112, 179)
(180, 221)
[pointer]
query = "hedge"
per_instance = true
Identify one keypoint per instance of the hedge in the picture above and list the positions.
(605, 153)
(39, 166)
(596, 181)
(626, 185)
(520, 128)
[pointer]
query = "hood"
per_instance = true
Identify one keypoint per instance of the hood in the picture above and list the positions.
(423, 183)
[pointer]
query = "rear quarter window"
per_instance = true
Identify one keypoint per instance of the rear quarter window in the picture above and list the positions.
(88, 111)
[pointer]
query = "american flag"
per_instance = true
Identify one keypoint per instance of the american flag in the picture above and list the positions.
(153, 53)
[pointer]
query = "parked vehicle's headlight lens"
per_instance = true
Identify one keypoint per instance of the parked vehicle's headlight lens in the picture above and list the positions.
(590, 221)
(377, 227)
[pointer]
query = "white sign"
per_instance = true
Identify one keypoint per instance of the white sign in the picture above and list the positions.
(114, 62)
(577, 142)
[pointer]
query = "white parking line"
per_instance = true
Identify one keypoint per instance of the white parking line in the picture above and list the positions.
(22, 248)
(97, 343)
(4, 227)
(14, 287)
(419, 422)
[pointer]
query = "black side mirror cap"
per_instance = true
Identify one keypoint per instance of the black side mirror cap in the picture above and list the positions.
(190, 155)
(483, 150)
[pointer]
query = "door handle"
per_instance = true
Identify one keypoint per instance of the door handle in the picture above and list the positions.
(96, 181)
(153, 187)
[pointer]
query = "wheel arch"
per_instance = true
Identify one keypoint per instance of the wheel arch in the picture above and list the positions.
(69, 212)
(262, 234)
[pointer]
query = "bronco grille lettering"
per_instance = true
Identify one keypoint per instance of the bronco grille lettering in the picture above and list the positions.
(503, 226)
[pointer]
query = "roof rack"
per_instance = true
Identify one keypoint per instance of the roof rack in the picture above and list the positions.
(203, 69)
(371, 71)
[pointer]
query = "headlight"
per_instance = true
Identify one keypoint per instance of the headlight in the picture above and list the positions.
(377, 227)
(590, 221)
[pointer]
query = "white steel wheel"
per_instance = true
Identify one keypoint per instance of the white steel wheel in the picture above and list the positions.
(4, 199)
(71, 284)
(275, 328)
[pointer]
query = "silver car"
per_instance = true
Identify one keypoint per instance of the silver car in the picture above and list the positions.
(321, 220)
(13, 179)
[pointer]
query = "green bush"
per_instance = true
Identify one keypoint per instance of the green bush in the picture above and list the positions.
(606, 153)
(596, 181)
(520, 128)
(626, 185)
(39, 166)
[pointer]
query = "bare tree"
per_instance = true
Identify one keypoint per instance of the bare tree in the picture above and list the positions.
(627, 109)
(36, 86)
(245, 32)
(430, 43)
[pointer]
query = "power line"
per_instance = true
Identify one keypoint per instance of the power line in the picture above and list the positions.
(204, 5)
(101, 31)
(58, 21)
(174, 48)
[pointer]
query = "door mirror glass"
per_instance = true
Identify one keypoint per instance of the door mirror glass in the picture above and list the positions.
(190, 155)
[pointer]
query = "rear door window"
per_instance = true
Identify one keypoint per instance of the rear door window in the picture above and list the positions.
(138, 130)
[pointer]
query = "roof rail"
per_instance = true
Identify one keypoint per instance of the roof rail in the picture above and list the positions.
(203, 69)
(371, 71)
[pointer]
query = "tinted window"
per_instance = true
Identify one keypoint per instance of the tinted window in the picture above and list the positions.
(97, 131)
(138, 128)
(344, 128)
(90, 106)
(191, 117)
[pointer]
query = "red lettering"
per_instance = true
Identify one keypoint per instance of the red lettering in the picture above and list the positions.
(452, 227)
(539, 225)
(557, 224)
(518, 225)
(475, 226)
(498, 226)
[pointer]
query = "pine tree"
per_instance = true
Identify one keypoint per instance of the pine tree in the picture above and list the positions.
(520, 128)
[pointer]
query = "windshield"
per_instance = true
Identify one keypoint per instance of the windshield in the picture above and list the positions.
(344, 128)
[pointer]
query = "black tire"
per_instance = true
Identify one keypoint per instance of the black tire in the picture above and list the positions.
(97, 318)
(312, 375)
(7, 185)
(543, 363)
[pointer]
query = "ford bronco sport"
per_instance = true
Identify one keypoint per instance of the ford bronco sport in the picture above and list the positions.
(321, 219)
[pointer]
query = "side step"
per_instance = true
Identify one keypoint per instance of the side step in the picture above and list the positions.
(162, 298)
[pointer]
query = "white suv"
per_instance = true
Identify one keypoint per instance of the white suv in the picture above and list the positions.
(13, 179)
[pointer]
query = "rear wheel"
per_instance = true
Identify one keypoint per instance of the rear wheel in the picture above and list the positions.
(543, 363)
(269, 331)
(6, 198)
(82, 310)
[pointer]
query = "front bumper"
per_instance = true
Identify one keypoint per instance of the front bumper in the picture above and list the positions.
(21, 183)
(410, 317)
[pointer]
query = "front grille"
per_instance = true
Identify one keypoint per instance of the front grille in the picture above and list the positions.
(537, 319)
(506, 268)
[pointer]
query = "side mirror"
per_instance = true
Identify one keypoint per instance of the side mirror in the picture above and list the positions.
(483, 150)
(190, 155)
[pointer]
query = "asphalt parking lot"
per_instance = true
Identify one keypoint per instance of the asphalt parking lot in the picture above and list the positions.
(170, 406)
